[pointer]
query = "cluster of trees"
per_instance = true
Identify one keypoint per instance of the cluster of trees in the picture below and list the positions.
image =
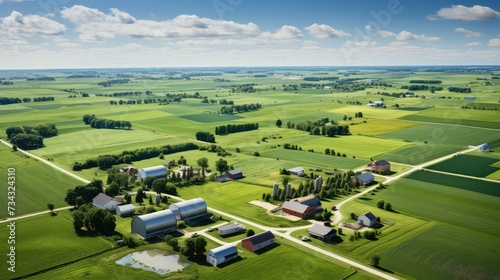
(358, 115)
(205, 136)
(41, 79)
(106, 161)
(215, 149)
(95, 220)
(422, 87)
(384, 205)
(81, 195)
(326, 215)
(7, 83)
(321, 127)
(128, 93)
(117, 181)
(367, 234)
(234, 128)
(43, 130)
(317, 79)
(13, 100)
(105, 123)
(228, 110)
(27, 141)
(83, 76)
(247, 88)
(425, 81)
(42, 99)
(220, 80)
(460, 90)
(113, 82)
(194, 248)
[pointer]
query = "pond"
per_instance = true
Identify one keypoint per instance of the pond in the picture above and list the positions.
(153, 260)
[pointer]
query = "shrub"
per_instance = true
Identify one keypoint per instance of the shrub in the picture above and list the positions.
(250, 232)
(150, 209)
(181, 225)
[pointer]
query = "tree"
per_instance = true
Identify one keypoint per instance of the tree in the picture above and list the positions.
(380, 204)
(127, 198)
(51, 208)
(113, 189)
(250, 232)
(189, 248)
(199, 247)
(279, 123)
(203, 163)
(318, 217)
(375, 261)
(221, 165)
(159, 185)
(285, 180)
(139, 197)
(151, 201)
(388, 206)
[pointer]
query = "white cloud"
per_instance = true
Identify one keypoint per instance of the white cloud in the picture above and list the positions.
(323, 31)
(494, 43)
(17, 24)
(399, 43)
(406, 35)
(460, 12)
(369, 28)
(473, 44)
(360, 44)
(65, 43)
(285, 32)
(96, 26)
(386, 34)
(468, 33)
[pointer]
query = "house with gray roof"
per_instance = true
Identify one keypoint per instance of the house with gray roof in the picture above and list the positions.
(321, 232)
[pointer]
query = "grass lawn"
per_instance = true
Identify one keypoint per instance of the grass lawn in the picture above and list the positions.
(36, 183)
(47, 241)
(478, 165)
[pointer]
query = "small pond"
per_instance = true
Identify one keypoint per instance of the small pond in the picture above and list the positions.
(153, 260)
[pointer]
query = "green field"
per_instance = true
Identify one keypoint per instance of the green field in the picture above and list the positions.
(472, 165)
(52, 237)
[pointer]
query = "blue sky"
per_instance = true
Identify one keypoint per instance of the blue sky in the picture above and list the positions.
(105, 34)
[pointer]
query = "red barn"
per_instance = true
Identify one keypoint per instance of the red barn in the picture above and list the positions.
(380, 166)
(234, 174)
(258, 241)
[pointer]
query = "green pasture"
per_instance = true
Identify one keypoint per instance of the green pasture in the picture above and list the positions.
(51, 237)
(445, 252)
(443, 203)
(374, 127)
(234, 197)
(458, 116)
(477, 165)
(315, 159)
(36, 183)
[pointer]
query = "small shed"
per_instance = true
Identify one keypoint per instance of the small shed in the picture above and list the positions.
(125, 210)
(469, 98)
(231, 228)
(299, 171)
(159, 171)
(321, 232)
(483, 147)
(380, 166)
(221, 254)
(234, 174)
(258, 241)
(105, 202)
(363, 179)
(367, 219)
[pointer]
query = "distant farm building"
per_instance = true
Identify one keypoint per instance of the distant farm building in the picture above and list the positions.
(125, 210)
(128, 169)
(231, 229)
(221, 254)
(105, 202)
(234, 174)
(483, 147)
(189, 209)
(159, 171)
(299, 171)
(380, 166)
(303, 207)
(363, 179)
(153, 224)
(367, 219)
(376, 104)
(469, 98)
(321, 232)
(258, 241)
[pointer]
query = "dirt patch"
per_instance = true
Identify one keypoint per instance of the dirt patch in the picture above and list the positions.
(266, 205)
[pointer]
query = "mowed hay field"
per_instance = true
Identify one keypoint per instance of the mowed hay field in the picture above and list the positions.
(47, 241)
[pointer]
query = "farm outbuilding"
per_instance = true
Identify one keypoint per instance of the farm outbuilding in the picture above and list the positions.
(231, 228)
(152, 224)
(483, 147)
(189, 209)
(299, 171)
(363, 179)
(159, 171)
(303, 207)
(234, 174)
(258, 241)
(222, 254)
(367, 219)
(380, 166)
(125, 210)
(323, 233)
(105, 202)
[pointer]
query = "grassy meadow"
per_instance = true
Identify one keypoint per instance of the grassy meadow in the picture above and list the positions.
(442, 226)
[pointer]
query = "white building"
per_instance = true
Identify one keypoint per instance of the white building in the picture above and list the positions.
(221, 254)
(231, 228)
(159, 171)
(105, 202)
(152, 224)
(367, 219)
(125, 210)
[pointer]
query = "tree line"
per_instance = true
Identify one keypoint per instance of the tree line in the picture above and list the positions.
(106, 161)
(425, 81)
(13, 100)
(205, 136)
(113, 82)
(317, 79)
(234, 128)
(41, 79)
(96, 122)
(460, 90)
(228, 110)
(29, 137)
(322, 126)
(422, 87)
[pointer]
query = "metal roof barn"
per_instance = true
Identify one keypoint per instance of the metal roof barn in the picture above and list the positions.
(159, 171)
(127, 209)
(189, 208)
(152, 224)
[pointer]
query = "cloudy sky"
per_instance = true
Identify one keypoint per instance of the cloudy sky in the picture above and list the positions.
(181, 33)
